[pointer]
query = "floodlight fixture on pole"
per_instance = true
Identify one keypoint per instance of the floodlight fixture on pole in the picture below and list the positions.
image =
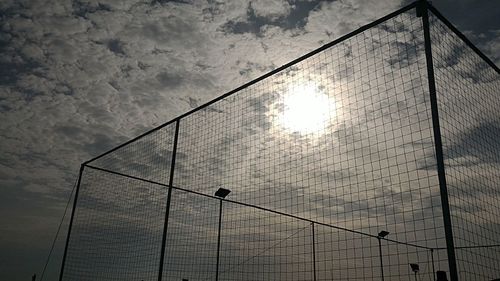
(415, 268)
(221, 193)
(381, 235)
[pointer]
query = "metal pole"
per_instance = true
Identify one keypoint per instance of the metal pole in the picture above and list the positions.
(422, 10)
(433, 268)
(71, 222)
(314, 252)
(416, 276)
(380, 255)
(169, 198)
(218, 241)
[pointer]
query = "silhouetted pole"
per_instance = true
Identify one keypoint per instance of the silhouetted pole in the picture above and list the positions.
(415, 268)
(433, 268)
(218, 241)
(314, 252)
(33, 278)
(441, 276)
(75, 200)
(422, 11)
(169, 199)
(380, 258)
(221, 193)
(381, 235)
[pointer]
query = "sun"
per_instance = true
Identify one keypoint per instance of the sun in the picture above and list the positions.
(306, 109)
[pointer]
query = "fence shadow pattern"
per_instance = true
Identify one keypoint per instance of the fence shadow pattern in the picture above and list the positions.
(393, 128)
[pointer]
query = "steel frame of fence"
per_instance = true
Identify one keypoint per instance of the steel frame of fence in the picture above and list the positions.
(422, 8)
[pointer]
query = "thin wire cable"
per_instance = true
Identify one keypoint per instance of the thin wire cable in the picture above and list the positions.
(471, 247)
(266, 249)
(58, 229)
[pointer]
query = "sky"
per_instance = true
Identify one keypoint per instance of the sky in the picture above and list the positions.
(80, 77)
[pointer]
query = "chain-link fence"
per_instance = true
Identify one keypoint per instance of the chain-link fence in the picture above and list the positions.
(375, 157)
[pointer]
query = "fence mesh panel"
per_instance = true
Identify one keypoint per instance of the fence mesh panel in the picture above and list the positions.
(343, 255)
(117, 229)
(258, 245)
(468, 91)
(364, 159)
(320, 157)
(148, 157)
(191, 247)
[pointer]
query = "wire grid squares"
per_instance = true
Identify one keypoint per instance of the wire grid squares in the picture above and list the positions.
(468, 98)
(191, 245)
(344, 255)
(117, 229)
(259, 245)
(368, 165)
(148, 157)
(319, 157)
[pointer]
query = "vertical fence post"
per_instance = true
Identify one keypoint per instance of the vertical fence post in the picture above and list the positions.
(422, 11)
(169, 198)
(380, 257)
(218, 241)
(71, 221)
(433, 267)
(314, 251)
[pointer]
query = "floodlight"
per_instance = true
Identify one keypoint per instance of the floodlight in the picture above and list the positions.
(414, 267)
(222, 192)
(383, 234)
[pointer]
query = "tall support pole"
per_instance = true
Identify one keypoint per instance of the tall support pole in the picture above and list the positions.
(218, 241)
(71, 221)
(169, 198)
(422, 10)
(380, 257)
(314, 251)
(433, 267)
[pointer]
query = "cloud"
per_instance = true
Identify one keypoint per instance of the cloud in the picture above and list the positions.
(79, 77)
(492, 46)
(345, 16)
(477, 145)
(261, 15)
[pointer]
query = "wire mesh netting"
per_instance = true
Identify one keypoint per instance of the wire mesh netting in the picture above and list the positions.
(191, 238)
(321, 158)
(366, 164)
(117, 229)
(149, 157)
(468, 94)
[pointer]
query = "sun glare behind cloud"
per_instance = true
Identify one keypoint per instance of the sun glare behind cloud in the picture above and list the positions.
(306, 109)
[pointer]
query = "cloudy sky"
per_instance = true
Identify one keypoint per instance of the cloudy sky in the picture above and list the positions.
(79, 77)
